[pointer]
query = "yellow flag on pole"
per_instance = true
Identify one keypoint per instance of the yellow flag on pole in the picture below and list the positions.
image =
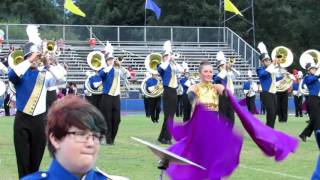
(228, 6)
(68, 4)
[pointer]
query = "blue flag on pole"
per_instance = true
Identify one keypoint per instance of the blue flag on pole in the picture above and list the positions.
(153, 7)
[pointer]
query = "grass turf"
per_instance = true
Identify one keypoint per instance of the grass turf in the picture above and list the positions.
(131, 159)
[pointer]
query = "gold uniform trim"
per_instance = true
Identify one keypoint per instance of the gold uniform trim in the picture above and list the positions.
(114, 83)
(173, 79)
(35, 95)
(273, 88)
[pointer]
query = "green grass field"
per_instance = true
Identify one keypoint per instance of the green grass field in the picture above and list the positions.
(131, 159)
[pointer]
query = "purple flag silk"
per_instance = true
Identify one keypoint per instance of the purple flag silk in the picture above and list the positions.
(270, 141)
(243, 102)
(206, 140)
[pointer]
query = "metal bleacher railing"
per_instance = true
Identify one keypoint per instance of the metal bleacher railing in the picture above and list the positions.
(136, 42)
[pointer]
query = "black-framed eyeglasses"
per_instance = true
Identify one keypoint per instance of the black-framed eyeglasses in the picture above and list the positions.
(83, 137)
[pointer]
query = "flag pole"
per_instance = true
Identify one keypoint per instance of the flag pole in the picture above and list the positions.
(145, 13)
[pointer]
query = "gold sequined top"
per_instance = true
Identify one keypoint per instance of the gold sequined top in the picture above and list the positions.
(208, 95)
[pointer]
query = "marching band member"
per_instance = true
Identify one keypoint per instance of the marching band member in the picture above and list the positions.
(74, 132)
(297, 95)
(153, 102)
(266, 74)
(110, 102)
(168, 70)
(29, 125)
(186, 81)
(225, 77)
(206, 92)
(146, 99)
(313, 84)
(250, 88)
(95, 83)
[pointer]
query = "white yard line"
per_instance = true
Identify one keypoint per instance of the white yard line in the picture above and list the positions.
(273, 172)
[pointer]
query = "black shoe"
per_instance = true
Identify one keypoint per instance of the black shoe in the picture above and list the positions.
(164, 141)
(308, 121)
(301, 115)
(303, 137)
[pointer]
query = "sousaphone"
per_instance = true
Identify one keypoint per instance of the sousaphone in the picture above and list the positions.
(309, 56)
(96, 60)
(285, 59)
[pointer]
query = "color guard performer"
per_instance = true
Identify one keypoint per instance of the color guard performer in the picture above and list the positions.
(110, 102)
(206, 92)
(266, 74)
(168, 70)
(29, 125)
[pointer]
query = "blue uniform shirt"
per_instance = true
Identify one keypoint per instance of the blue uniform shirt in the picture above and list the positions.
(313, 84)
(93, 79)
(218, 80)
(167, 75)
(183, 80)
(151, 82)
(295, 86)
(266, 80)
(58, 172)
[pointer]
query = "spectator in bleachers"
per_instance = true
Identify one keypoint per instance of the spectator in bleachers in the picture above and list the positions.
(133, 77)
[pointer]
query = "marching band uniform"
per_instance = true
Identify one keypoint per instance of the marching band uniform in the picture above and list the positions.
(307, 131)
(179, 109)
(297, 95)
(154, 102)
(250, 88)
(56, 172)
(282, 98)
(186, 82)
(225, 77)
(110, 102)
(268, 95)
(95, 83)
(313, 84)
(29, 124)
(146, 99)
(168, 71)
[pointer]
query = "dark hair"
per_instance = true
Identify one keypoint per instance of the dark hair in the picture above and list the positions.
(72, 111)
(203, 63)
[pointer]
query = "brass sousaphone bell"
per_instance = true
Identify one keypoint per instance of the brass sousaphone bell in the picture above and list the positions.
(285, 59)
(151, 62)
(96, 60)
(15, 58)
(309, 56)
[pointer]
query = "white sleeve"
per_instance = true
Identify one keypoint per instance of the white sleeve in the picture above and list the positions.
(22, 67)
(3, 68)
(164, 65)
(57, 72)
(255, 87)
(97, 84)
(237, 73)
(187, 83)
(271, 69)
(317, 72)
(222, 74)
(245, 92)
(151, 88)
(179, 68)
(107, 69)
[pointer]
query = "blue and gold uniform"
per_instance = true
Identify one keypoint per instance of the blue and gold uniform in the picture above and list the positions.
(313, 101)
(268, 97)
(95, 85)
(31, 87)
(110, 101)
(154, 102)
(168, 72)
(250, 88)
(57, 172)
